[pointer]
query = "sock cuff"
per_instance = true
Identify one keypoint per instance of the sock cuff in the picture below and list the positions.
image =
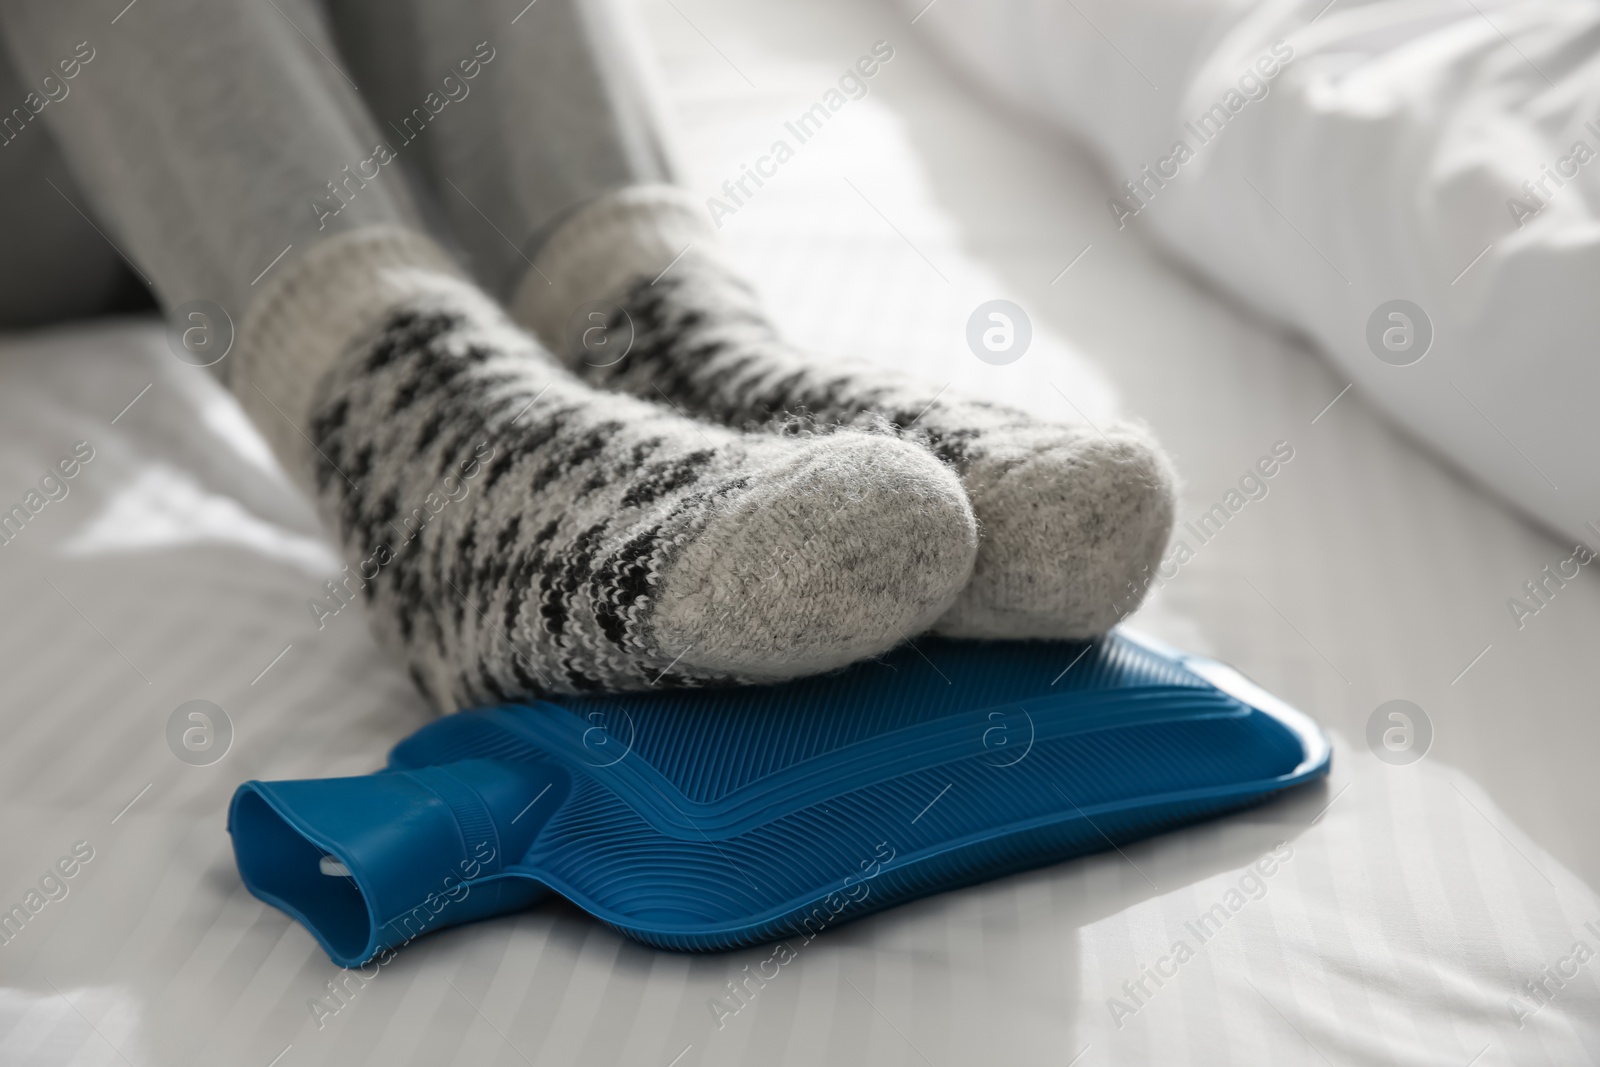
(312, 310)
(636, 232)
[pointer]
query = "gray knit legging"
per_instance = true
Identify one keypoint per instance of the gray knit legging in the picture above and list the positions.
(195, 142)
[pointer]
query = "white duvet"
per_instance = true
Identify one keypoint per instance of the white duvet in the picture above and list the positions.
(1322, 161)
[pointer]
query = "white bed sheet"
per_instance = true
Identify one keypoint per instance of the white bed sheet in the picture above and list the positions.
(1417, 898)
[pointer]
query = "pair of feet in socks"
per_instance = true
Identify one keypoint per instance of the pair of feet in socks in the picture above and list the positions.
(714, 507)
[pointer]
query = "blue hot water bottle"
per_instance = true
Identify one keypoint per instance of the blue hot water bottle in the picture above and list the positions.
(708, 819)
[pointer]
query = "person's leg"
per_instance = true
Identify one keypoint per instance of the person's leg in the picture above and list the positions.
(56, 266)
(512, 118)
(551, 169)
(205, 134)
(512, 530)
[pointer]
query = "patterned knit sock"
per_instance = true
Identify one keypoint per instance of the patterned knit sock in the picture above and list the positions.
(1071, 518)
(513, 531)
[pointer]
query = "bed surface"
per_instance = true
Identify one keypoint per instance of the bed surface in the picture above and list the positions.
(1407, 902)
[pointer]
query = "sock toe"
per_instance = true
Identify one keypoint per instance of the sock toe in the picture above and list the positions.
(1071, 518)
(1068, 516)
(846, 546)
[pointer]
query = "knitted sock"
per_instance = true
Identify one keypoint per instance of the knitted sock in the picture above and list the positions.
(513, 531)
(1072, 518)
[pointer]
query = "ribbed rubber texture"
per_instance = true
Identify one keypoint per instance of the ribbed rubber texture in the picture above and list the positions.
(471, 813)
(706, 820)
